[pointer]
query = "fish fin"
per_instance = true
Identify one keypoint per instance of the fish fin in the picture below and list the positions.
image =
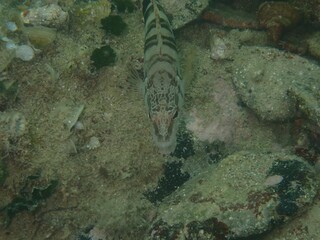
(135, 77)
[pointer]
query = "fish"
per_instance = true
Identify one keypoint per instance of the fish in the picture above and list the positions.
(162, 85)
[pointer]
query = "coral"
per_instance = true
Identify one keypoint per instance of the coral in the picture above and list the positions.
(277, 17)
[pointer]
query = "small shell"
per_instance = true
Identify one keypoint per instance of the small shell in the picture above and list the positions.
(24, 52)
(11, 26)
(78, 126)
(11, 45)
(93, 143)
(70, 147)
(65, 115)
(72, 115)
(273, 180)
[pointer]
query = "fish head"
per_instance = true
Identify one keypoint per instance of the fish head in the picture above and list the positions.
(165, 125)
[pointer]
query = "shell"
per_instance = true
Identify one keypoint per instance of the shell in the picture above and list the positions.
(25, 52)
(93, 143)
(40, 36)
(11, 26)
(278, 16)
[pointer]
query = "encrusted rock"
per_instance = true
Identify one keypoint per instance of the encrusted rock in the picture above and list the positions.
(246, 194)
(314, 45)
(50, 15)
(263, 77)
(307, 96)
(183, 11)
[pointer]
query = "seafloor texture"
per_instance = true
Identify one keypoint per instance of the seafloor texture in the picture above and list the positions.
(77, 157)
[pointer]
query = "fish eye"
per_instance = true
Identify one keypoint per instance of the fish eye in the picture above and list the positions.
(175, 115)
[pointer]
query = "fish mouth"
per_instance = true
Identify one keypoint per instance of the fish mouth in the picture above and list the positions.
(166, 146)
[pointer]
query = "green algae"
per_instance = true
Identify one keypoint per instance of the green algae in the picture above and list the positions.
(30, 197)
(124, 5)
(104, 56)
(8, 92)
(2, 170)
(113, 25)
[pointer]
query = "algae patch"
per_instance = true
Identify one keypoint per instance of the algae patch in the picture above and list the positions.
(114, 25)
(104, 56)
(29, 198)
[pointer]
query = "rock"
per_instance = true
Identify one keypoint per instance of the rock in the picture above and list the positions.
(314, 45)
(25, 52)
(304, 227)
(307, 96)
(262, 77)
(246, 194)
(183, 11)
(277, 17)
(50, 15)
(310, 9)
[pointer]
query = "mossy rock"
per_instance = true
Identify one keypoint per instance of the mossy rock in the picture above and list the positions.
(30, 197)
(244, 196)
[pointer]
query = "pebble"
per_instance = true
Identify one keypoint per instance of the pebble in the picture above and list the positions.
(24, 52)
(11, 26)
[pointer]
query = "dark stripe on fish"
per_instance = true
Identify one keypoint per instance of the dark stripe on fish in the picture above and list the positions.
(145, 5)
(164, 58)
(150, 42)
(170, 42)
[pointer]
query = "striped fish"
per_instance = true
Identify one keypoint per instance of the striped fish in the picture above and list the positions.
(162, 85)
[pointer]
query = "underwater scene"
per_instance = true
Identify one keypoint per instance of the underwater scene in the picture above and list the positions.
(159, 119)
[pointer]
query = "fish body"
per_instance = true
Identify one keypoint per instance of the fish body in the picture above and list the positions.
(162, 88)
